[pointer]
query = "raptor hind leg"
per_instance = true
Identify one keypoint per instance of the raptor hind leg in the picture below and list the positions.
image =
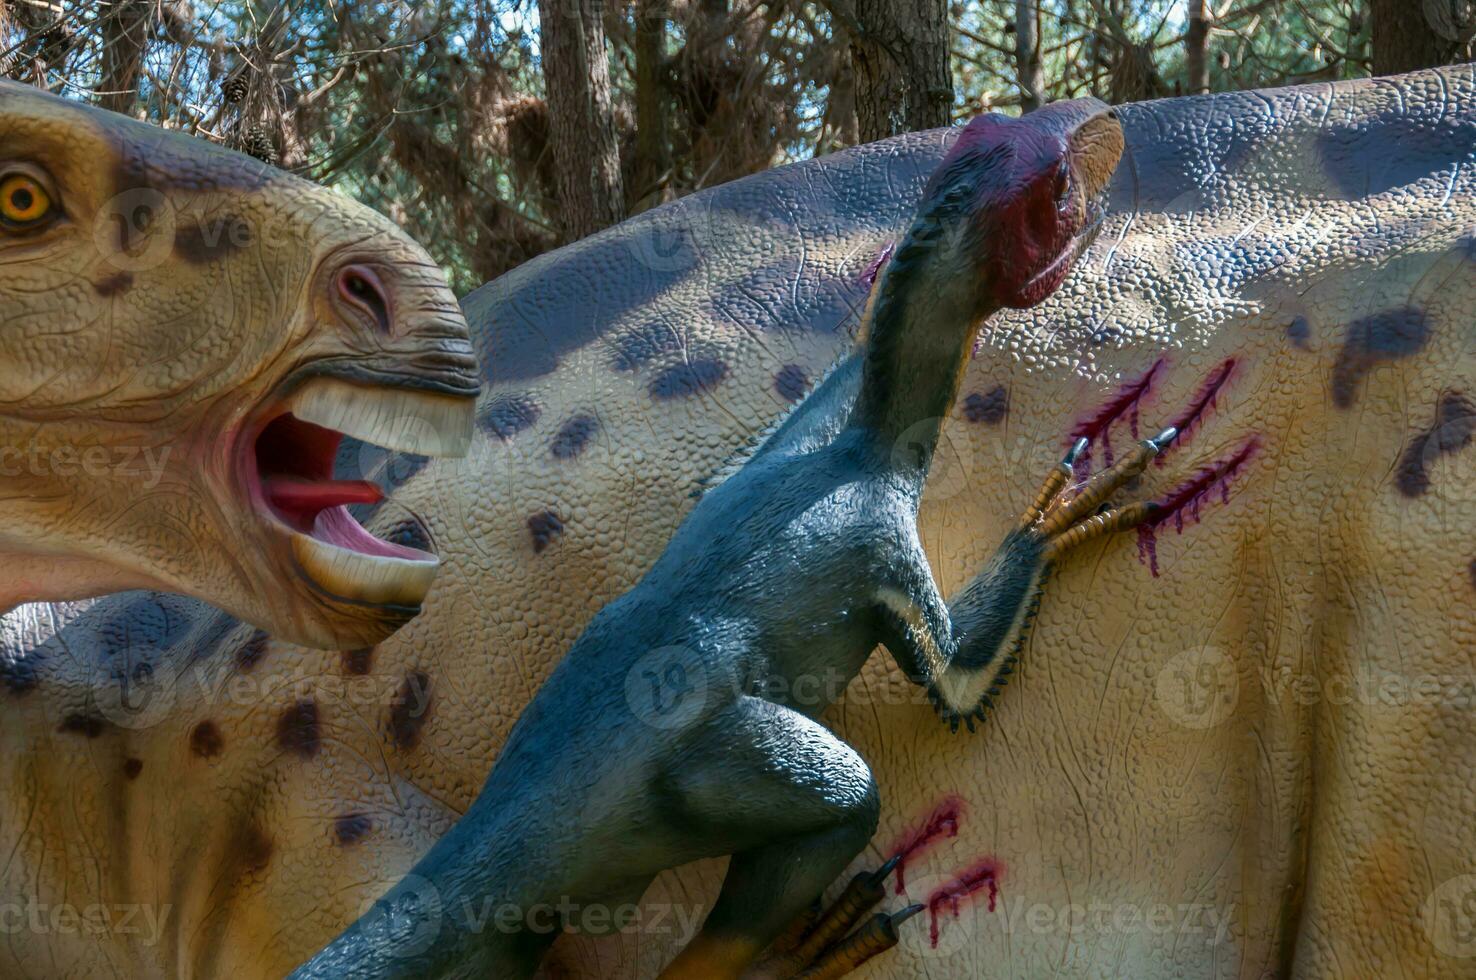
(794, 803)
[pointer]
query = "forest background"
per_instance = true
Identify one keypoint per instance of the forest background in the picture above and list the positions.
(494, 131)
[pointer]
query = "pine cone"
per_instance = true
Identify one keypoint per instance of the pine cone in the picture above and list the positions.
(234, 89)
(259, 143)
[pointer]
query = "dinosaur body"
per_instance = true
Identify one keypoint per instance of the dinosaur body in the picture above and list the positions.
(1251, 761)
(791, 569)
(183, 334)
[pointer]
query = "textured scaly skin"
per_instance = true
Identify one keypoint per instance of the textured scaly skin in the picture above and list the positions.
(1158, 746)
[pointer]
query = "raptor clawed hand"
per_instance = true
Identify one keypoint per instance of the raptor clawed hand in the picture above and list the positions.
(1067, 516)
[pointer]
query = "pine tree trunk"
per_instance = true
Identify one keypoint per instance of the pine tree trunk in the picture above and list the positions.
(124, 33)
(651, 156)
(581, 124)
(1403, 39)
(1196, 47)
(1027, 55)
(900, 52)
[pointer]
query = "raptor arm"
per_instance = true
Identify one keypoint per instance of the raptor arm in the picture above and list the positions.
(965, 649)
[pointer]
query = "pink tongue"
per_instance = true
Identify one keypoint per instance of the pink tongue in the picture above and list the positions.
(336, 526)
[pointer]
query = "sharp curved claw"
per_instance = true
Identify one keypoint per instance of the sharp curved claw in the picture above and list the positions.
(1161, 441)
(1077, 448)
(884, 872)
(900, 917)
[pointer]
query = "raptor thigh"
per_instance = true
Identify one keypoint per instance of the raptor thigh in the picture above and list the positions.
(796, 803)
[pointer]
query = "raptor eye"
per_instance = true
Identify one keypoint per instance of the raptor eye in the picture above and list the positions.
(24, 201)
(1063, 183)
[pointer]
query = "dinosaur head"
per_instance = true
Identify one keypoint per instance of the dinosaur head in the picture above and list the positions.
(185, 336)
(1032, 187)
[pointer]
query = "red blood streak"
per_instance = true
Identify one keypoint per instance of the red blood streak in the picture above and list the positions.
(1203, 401)
(874, 268)
(941, 824)
(1098, 425)
(981, 876)
(1185, 500)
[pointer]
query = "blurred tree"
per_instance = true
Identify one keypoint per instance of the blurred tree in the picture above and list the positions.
(442, 113)
(1027, 55)
(899, 54)
(1196, 47)
(1405, 35)
(581, 123)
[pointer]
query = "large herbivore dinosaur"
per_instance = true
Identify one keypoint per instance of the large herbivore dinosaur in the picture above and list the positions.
(1236, 746)
(186, 334)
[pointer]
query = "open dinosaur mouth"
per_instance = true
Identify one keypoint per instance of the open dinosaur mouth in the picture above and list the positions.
(289, 474)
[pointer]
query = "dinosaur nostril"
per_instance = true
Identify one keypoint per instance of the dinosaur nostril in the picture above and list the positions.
(361, 289)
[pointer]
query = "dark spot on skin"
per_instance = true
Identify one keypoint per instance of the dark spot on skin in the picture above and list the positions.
(410, 709)
(791, 382)
(573, 436)
(507, 415)
(83, 723)
(545, 527)
(114, 285)
(410, 533)
(18, 674)
(688, 379)
(1299, 332)
(1394, 148)
(206, 741)
(211, 241)
(644, 344)
(1454, 425)
(131, 768)
(351, 828)
(357, 661)
(297, 729)
(1385, 336)
(1471, 570)
(249, 654)
(990, 407)
(255, 849)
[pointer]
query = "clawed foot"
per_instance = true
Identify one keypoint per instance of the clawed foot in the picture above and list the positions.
(825, 944)
(1065, 517)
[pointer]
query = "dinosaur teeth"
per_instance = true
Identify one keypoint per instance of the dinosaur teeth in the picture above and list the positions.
(395, 576)
(419, 422)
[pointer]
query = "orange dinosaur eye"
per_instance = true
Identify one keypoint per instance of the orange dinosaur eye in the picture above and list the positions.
(23, 201)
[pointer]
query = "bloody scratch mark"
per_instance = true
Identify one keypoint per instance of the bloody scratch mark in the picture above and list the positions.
(1127, 400)
(941, 824)
(1185, 500)
(983, 875)
(1203, 401)
(874, 268)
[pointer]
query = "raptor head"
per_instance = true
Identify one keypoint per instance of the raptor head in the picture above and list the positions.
(185, 337)
(1031, 189)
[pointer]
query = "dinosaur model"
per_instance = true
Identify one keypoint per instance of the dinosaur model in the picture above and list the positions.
(186, 334)
(794, 566)
(1251, 762)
